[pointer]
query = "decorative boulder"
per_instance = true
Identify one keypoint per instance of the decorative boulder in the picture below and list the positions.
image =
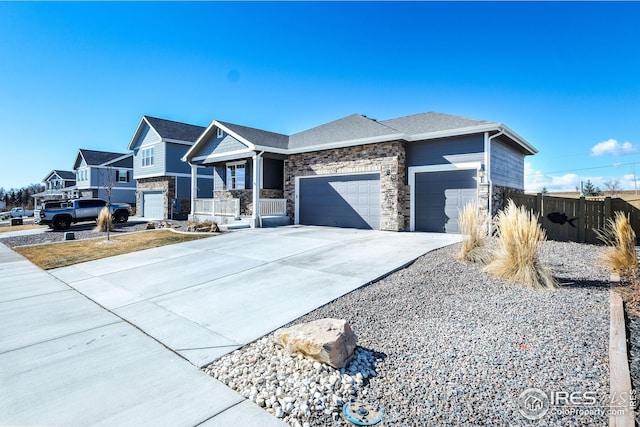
(329, 341)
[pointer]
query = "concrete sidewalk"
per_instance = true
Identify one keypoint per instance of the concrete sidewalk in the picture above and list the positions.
(66, 361)
(122, 342)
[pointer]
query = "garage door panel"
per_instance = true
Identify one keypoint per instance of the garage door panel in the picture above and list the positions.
(439, 196)
(153, 204)
(351, 201)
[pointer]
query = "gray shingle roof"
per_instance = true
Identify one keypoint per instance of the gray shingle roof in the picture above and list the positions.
(65, 174)
(348, 128)
(431, 122)
(169, 129)
(258, 136)
(96, 158)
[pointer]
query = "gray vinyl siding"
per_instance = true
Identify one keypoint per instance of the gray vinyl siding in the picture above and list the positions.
(273, 174)
(443, 151)
(507, 165)
(147, 137)
(219, 145)
(119, 195)
(157, 169)
(174, 154)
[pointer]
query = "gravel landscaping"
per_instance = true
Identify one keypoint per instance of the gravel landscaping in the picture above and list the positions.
(442, 343)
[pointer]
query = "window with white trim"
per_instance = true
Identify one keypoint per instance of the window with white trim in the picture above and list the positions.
(220, 133)
(122, 175)
(147, 156)
(235, 175)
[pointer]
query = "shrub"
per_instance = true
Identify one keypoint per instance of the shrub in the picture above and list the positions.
(620, 254)
(516, 259)
(474, 226)
(104, 221)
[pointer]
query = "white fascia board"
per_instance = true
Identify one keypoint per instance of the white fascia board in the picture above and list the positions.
(476, 129)
(348, 143)
(274, 150)
(231, 155)
(177, 141)
(136, 134)
(214, 124)
(117, 159)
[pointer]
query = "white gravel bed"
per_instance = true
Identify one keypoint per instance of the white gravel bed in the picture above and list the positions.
(441, 343)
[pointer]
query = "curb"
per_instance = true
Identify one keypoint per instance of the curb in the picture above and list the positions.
(619, 377)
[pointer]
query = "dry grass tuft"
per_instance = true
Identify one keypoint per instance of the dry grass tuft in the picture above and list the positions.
(474, 226)
(54, 255)
(516, 259)
(104, 221)
(620, 255)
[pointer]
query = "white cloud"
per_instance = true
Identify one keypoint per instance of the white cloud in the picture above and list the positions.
(535, 181)
(611, 146)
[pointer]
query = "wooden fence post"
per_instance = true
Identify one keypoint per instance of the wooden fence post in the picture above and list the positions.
(607, 210)
(582, 220)
(539, 207)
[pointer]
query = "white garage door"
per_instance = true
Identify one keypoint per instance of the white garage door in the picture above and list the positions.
(351, 201)
(440, 195)
(153, 204)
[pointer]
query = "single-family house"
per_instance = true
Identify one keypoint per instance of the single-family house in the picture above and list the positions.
(408, 173)
(58, 185)
(163, 180)
(98, 171)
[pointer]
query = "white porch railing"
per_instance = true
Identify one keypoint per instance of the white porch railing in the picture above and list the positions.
(204, 206)
(226, 207)
(220, 207)
(273, 207)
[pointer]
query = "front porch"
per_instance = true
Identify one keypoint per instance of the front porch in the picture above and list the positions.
(227, 212)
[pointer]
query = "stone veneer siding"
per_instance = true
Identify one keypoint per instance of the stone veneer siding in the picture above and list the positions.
(370, 158)
(166, 184)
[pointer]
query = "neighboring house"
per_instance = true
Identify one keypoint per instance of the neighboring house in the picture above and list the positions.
(409, 173)
(96, 171)
(58, 185)
(163, 179)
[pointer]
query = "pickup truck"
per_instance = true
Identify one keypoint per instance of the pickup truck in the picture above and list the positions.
(81, 210)
(16, 213)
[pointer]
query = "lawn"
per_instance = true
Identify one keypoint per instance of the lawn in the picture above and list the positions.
(54, 255)
(20, 227)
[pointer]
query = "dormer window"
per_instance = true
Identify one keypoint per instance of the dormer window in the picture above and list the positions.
(220, 133)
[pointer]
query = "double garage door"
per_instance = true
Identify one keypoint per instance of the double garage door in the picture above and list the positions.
(153, 204)
(353, 201)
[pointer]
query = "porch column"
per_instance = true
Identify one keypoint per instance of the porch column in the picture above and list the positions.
(194, 188)
(256, 189)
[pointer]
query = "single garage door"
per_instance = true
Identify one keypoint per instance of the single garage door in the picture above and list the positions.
(153, 204)
(439, 196)
(351, 201)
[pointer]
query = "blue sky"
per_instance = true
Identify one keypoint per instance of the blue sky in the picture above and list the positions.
(565, 76)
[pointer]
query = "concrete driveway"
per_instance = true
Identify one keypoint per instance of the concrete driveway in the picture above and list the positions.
(205, 298)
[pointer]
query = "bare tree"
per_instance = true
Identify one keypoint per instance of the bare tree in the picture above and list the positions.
(108, 180)
(612, 186)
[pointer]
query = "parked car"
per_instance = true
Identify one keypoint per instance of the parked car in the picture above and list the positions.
(81, 210)
(51, 204)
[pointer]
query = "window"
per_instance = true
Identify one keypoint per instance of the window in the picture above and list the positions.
(220, 133)
(147, 157)
(235, 176)
(82, 175)
(122, 175)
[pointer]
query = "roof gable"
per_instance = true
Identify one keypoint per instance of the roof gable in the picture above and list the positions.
(97, 158)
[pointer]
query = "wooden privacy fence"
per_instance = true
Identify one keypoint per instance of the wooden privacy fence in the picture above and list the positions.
(583, 216)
